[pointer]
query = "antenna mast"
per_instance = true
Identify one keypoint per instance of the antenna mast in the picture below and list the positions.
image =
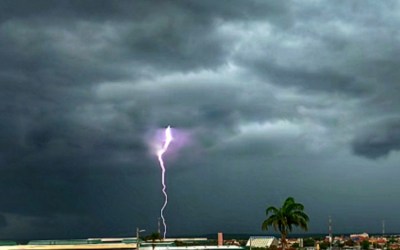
(330, 233)
(159, 226)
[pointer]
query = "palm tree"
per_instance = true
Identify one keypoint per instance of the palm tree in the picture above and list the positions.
(283, 219)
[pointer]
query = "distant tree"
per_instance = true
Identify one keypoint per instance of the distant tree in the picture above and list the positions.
(308, 242)
(323, 245)
(283, 219)
(365, 244)
(153, 238)
(349, 243)
(273, 247)
(178, 243)
(295, 245)
(243, 243)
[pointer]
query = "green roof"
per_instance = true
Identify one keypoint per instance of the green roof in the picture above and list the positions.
(129, 240)
(7, 243)
(58, 242)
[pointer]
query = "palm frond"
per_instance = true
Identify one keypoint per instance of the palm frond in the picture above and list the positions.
(295, 207)
(272, 210)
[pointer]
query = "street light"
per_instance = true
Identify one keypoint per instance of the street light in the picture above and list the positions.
(137, 237)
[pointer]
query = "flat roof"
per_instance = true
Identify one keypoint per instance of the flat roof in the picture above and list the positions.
(184, 239)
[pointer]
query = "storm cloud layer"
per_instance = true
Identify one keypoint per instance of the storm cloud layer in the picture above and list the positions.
(280, 98)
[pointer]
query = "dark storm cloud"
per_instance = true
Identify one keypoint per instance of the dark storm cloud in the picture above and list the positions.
(378, 140)
(261, 86)
(334, 48)
(321, 80)
(3, 221)
(183, 39)
(137, 10)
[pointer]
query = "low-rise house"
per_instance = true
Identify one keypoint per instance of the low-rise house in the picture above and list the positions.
(359, 237)
(262, 241)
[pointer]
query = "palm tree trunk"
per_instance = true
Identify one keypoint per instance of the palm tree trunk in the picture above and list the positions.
(283, 241)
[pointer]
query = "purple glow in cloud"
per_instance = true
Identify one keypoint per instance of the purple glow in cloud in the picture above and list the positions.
(160, 153)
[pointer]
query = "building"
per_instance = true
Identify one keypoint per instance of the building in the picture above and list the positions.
(112, 244)
(359, 237)
(262, 241)
(78, 244)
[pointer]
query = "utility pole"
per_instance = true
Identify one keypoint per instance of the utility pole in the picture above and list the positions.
(383, 227)
(330, 233)
(137, 237)
(159, 226)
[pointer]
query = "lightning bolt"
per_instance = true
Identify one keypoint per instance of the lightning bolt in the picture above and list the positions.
(160, 153)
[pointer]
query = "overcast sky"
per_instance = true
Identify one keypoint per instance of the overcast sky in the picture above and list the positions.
(274, 98)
